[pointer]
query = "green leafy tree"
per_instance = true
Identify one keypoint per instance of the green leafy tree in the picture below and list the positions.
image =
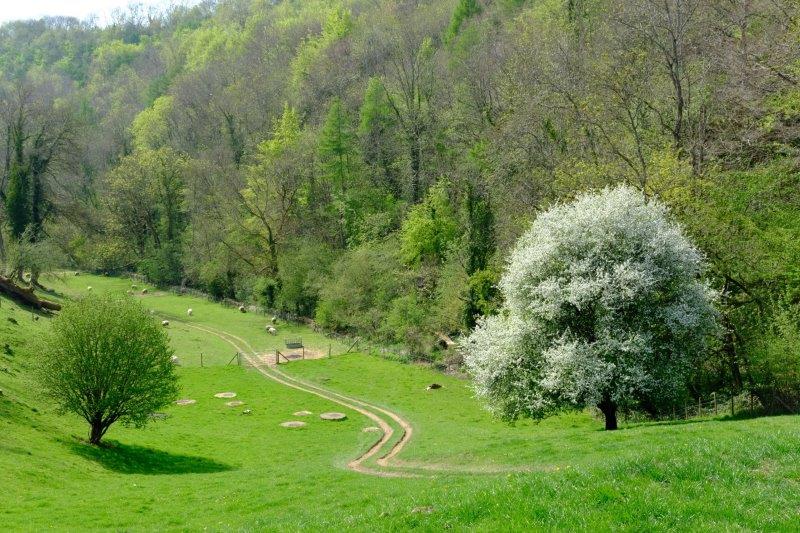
(108, 361)
(464, 10)
(430, 228)
(337, 149)
(18, 199)
(275, 185)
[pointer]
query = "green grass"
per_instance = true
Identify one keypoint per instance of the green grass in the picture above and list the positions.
(211, 466)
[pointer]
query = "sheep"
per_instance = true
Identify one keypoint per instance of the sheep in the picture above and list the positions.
(175, 361)
(134, 287)
(144, 291)
(189, 312)
(165, 323)
(274, 320)
(89, 288)
(271, 330)
(242, 309)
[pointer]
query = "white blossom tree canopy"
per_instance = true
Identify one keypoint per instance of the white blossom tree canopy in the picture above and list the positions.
(604, 306)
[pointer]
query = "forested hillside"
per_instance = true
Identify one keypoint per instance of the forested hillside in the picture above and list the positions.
(370, 163)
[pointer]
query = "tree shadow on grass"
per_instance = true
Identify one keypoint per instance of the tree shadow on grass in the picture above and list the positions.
(131, 459)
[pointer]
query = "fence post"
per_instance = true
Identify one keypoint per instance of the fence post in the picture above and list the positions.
(686, 410)
(201, 359)
(239, 358)
(699, 406)
(714, 396)
(733, 410)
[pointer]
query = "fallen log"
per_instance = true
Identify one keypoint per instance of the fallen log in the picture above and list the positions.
(26, 295)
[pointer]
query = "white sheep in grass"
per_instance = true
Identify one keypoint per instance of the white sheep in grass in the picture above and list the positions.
(274, 320)
(144, 291)
(189, 312)
(89, 288)
(242, 309)
(165, 323)
(271, 330)
(174, 360)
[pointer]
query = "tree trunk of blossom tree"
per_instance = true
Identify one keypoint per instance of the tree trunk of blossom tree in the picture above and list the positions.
(609, 410)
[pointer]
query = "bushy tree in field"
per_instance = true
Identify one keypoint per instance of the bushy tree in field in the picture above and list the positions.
(603, 307)
(108, 361)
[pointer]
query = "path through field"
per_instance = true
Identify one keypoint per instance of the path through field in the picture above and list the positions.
(370, 411)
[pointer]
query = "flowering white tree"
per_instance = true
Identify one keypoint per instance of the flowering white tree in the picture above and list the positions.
(604, 307)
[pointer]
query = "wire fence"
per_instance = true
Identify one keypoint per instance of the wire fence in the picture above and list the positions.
(715, 405)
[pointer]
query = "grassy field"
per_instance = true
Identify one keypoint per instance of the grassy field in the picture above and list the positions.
(211, 466)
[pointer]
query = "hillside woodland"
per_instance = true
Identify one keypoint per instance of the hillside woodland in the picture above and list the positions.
(369, 164)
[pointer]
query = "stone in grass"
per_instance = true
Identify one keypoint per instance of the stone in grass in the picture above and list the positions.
(235, 403)
(333, 417)
(225, 395)
(186, 402)
(302, 413)
(293, 424)
(371, 429)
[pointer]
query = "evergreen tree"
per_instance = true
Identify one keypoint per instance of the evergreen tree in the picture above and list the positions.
(337, 148)
(18, 199)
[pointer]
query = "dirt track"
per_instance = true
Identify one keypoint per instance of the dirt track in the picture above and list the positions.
(383, 450)
(271, 371)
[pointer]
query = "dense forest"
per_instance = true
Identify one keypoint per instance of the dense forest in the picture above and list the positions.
(370, 163)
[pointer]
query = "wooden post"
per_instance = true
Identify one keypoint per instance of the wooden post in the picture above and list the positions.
(201, 359)
(239, 358)
(733, 410)
(686, 410)
(714, 396)
(699, 406)
(277, 357)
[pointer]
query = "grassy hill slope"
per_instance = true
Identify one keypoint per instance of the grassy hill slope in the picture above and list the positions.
(209, 465)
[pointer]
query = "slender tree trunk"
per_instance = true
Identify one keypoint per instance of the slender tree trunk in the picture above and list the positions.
(609, 410)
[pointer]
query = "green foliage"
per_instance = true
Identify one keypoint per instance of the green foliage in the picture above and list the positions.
(151, 127)
(430, 227)
(375, 114)
(360, 290)
(464, 10)
(111, 56)
(773, 364)
(337, 150)
(163, 265)
(407, 322)
(300, 270)
(483, 296)
(108, 361)
(18, 199)
(337, 25)
(146, 198)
